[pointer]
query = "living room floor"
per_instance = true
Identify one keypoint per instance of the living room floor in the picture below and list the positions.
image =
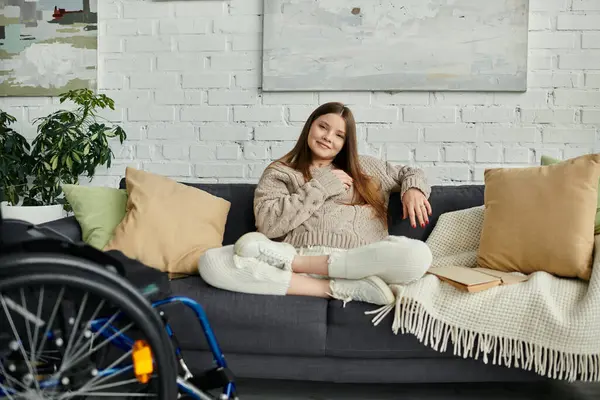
(288, 390)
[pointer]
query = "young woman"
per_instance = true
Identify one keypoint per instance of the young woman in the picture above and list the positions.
(321, 213)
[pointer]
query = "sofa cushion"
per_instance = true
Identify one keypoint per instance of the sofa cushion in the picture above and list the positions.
(68, 228)
(241, 214)
(351, 334)
(442, 199)
(253, 324)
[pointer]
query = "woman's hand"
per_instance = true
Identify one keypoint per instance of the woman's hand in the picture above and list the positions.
(344, 177)
(416, 207)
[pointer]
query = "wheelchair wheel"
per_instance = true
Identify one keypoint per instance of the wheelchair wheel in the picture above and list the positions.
(71, 329)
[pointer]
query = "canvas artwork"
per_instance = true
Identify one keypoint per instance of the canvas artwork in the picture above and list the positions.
(391, 45)
(47, 46)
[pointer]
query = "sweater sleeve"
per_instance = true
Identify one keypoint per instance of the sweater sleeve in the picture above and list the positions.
(396, 178)
(278, 210)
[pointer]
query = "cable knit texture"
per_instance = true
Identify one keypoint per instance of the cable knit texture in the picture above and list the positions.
(315, 213)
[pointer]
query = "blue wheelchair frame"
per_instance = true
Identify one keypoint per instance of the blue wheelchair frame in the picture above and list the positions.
(218, 357)
(125, 343)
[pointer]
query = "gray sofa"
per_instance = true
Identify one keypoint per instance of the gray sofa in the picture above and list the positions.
(304, 338)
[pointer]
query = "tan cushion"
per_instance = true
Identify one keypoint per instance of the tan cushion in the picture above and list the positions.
(168, 225)
(541, 218)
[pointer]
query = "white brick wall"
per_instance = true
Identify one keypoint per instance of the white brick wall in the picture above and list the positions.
(185, 76)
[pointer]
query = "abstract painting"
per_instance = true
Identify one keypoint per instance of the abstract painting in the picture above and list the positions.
(47, 46)
(392, 45)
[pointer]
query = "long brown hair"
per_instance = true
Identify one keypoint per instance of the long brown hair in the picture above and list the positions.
(366, 188)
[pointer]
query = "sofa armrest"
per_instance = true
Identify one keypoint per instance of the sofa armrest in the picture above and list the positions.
(67, 226)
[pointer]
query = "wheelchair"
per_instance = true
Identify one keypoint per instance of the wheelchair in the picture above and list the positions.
(73, 327)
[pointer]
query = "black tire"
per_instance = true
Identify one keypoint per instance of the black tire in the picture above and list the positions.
(24, 270)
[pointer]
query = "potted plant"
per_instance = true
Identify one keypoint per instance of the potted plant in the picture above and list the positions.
(14, 161)
(69, 144)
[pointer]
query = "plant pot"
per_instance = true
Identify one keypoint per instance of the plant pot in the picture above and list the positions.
(33, 214)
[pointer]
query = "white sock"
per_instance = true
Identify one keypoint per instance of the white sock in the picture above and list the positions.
(396, 260)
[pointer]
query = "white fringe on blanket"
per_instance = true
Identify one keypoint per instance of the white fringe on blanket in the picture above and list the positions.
(548, 325)
(499, 350)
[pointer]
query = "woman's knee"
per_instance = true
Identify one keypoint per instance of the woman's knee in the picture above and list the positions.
(413, 257)
(421, 256)
(216, 269)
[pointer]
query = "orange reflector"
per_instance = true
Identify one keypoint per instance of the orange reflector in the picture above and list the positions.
(142, 361)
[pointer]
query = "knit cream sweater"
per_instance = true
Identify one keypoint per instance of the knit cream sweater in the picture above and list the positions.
(301, 213)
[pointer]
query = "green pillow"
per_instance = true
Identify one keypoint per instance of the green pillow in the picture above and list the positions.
(98, 210)
(547, 160)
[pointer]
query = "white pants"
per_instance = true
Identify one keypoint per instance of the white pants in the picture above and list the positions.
(223, 269)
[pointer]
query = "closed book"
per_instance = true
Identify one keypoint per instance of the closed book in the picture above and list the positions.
(475, 279)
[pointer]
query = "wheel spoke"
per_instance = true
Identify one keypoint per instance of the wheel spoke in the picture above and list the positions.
(110, 394)
(111, 385)
(78, 342)
(27, 327)
(10, 378)
(93, 349)
(75, 326)
(37, 329)
(99, 379)
(95, 335)
(6, 391)
(18, 338)
(51, 321)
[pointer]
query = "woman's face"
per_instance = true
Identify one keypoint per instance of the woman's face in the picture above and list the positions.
(326, 137)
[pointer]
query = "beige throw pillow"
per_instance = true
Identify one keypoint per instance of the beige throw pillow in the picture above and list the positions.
(541, 218)
(168, 225)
